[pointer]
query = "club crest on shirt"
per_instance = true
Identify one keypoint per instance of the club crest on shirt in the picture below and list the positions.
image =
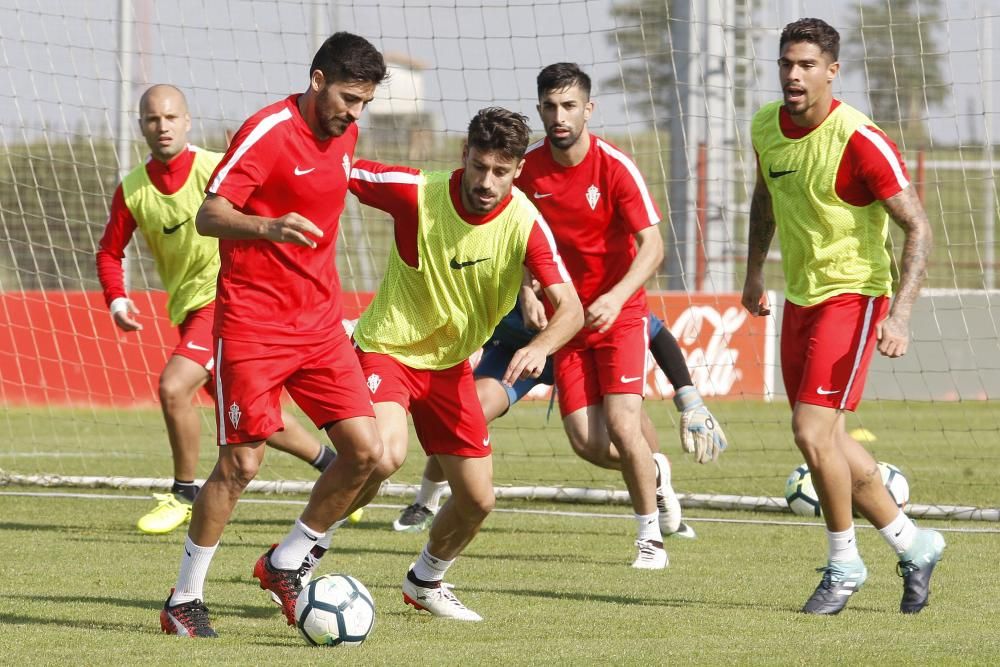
(373, 382)
(347, 167)
(593, 194)
(234, 415)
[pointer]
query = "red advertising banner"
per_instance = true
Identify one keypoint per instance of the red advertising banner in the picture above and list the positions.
(62, 348)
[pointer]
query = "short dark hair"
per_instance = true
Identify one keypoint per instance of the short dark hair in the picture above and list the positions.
(814, 31)
(345, 58)
(560, 76)
(497, 130)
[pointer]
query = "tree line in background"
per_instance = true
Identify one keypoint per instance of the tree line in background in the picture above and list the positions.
(896, 42)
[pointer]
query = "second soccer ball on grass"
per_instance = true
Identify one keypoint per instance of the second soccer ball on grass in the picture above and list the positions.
(800, 494)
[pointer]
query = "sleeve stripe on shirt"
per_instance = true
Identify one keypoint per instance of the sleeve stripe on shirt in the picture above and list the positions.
(386, 176)
(556, 257)
(883, 147)
(265, 126)
(637, 177)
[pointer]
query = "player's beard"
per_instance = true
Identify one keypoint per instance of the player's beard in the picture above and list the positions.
(472, 199)
(336, 126)
(333, 124)
(563, 142)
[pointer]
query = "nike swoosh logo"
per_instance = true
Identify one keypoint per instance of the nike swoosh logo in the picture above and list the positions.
(899, 533)
(626, 380)
(778, 174)
(486, 442)
(192, 346)
(171, 230)
(826, 392)
(311, 538)
(303, 172)
(542, 195)
(455, 264)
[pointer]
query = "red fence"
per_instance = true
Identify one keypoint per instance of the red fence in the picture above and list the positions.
(61, 348)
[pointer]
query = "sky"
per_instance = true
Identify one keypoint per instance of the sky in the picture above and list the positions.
(59, 63)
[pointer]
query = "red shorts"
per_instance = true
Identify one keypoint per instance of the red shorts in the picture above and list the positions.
(196, 341)
(594, 365)
(446, 412)
(323, 379)
(826, 349)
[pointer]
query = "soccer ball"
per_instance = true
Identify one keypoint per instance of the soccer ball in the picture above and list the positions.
(335, 610)
(895, 482)
(800, 493)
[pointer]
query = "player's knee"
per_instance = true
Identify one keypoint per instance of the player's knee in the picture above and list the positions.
(239, 471)
(172, 392)
(479, 506)
(810, 440)
(367, 456)
(583, 449)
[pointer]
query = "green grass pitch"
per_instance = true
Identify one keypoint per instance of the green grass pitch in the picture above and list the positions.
(81, 585)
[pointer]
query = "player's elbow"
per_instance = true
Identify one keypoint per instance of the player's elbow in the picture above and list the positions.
(203, 223)
(207, 219)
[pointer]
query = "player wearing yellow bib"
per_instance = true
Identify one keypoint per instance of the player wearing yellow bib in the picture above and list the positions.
(160, 199)
(462, 241)
(829, 180)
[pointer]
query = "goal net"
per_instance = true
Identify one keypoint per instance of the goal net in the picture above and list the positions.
(675, 84)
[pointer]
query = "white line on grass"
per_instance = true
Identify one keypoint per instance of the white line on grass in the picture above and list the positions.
(589, 515)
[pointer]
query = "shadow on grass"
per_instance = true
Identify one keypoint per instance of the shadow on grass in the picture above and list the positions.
(680, 602)
(151, 605)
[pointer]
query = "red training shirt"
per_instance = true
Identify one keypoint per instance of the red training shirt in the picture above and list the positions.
(594, 209)
(282, 292)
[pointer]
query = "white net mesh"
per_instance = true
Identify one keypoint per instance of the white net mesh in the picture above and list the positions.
(675, 84)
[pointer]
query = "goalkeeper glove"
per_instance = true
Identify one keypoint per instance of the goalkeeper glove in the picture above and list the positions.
(700, 433)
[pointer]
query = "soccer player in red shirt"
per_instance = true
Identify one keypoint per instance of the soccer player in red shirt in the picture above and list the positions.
(462, 242)
(830, 180)
(275, 202)
(160, 199)
(605, 224)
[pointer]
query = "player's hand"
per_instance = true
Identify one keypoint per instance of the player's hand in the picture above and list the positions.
(893, 335)
(532, 310)
(754, 297)
(603, 312)
(527, 362)
(294, 228)
(125, 319)
(700, 432)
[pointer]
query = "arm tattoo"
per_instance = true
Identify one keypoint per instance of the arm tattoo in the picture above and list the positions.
(761, 229)
(907, 212)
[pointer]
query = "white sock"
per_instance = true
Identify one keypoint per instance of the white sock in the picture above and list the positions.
(293, 549)
(649, 527)
(900, 533)
(429, 494)
(429, 568)
(194, 568)
(324, 542)
(843, 545)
